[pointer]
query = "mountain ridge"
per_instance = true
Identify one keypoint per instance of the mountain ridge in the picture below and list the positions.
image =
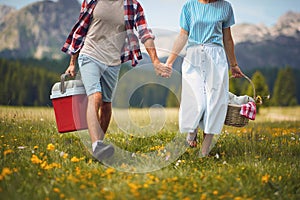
(40, 29)
(37, 30)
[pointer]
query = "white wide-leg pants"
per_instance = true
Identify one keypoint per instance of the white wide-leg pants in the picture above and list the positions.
(204, 97)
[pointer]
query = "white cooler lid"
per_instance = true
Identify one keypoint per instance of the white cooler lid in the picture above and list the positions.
(73, 87)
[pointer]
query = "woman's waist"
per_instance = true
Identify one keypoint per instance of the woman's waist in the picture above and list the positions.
(202, 45)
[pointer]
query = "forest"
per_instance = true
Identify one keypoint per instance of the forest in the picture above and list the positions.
(29, 82)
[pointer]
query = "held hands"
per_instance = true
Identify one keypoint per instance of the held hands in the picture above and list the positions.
(163, 70)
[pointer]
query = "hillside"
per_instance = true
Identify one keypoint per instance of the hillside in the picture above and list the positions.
(5, 10)
(37, 30)
(277, 46)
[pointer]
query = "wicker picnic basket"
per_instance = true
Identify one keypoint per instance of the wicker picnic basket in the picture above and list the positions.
(233, 117)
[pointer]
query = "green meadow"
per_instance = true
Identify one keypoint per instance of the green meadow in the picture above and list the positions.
(258, 161)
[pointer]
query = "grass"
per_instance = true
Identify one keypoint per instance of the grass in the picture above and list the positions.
(259, 161)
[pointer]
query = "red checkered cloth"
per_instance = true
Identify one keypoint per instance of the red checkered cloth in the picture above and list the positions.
(134, 19)
(248, 110)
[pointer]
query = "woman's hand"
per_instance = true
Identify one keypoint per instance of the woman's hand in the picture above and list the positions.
(162, 69)
(236, 71)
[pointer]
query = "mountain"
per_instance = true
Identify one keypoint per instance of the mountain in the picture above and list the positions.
(5, 10)
(40, 29)
(287, 25)
(37, 30)
(261, 46)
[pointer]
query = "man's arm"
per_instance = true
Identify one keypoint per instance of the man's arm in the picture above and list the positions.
(72, 66)
(159, 67)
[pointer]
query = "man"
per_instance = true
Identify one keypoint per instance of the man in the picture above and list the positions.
(101, 40)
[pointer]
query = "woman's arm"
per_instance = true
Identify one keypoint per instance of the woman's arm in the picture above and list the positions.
(229, 49)
(178, 46)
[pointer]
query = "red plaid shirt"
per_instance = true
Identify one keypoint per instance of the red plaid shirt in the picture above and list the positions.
(134, 19)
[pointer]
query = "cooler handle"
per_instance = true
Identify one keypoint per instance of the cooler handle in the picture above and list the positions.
(62, 82)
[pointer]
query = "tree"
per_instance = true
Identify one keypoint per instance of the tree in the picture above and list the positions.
(261, 87)
(25, 85)
(284, 93)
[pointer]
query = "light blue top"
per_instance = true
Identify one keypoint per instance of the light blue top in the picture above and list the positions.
(205, 22)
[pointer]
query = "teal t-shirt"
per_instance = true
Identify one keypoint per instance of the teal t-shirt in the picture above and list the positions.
(205, 22)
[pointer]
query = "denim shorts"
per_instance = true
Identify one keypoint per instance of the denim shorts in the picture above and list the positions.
(98, 77)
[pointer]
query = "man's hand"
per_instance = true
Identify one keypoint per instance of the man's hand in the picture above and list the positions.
(162, 69)
(71, 70)
(72, 66)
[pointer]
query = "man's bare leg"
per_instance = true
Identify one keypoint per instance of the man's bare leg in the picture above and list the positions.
(100, 150)
(105, 115)
(93, 118)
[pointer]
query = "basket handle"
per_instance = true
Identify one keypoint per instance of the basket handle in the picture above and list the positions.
(252, 84)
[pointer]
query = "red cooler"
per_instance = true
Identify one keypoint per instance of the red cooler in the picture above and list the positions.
(70, 102)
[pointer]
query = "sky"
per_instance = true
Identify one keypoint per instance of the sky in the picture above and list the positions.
(165, 13)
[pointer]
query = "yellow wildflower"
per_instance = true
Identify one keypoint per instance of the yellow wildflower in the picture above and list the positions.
(44, 165)
(238, 198)
(50, 147)
(7, 152)
(203, 196)
(47, 166)
(35, 147)
(265, 178)
(82, 158)
(56, 190)
(6, 171)
(82, 187)
(35, 160)
(56, 165)
(75, 159)
(134, 189)
(63, 155)
(110, 170)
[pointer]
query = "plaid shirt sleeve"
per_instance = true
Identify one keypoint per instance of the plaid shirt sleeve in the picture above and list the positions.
(141, 25)
(83, 8)
(76, 37)
(134, 19)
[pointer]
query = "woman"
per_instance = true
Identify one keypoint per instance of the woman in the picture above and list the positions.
(205, 24)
